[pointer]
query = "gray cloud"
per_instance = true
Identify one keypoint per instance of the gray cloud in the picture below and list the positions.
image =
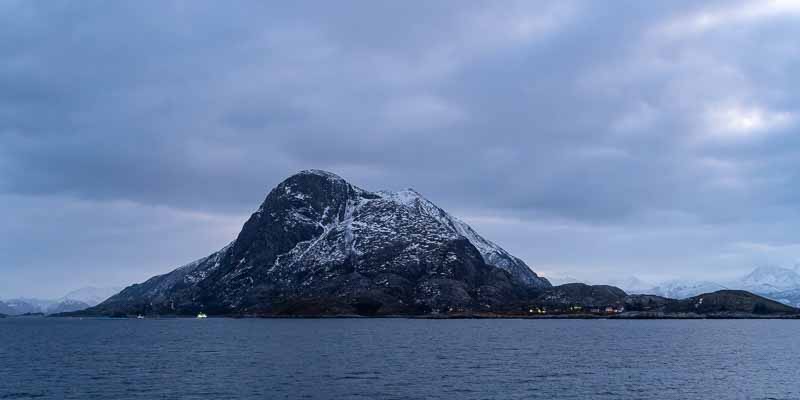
(647, 139)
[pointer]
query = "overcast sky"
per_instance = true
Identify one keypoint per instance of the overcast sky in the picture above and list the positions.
(592, 139)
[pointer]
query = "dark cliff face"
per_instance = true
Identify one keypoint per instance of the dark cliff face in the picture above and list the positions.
(319, 245)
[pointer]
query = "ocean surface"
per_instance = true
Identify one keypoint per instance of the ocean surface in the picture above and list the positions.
(398, 359)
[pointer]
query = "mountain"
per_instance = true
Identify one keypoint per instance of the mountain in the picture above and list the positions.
(718, 304)
(73, 301)
(66, 305)
(20, 306)
(91, 295)
(776, 283)
(319, 245)
(587, 296)
(631, 284)
(769, 280)
(682, 289)
(790, 297)
(38, 306)
(730, 301)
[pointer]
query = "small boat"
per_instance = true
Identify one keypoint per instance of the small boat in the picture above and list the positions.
(201, 316)
(140, 316)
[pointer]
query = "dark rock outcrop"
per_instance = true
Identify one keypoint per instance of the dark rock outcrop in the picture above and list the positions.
(319, 245)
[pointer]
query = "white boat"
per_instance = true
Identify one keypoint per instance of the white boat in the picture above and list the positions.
(202, 315)
(140, 317)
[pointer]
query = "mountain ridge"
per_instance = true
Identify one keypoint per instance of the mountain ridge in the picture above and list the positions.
(773, 282)
(75, 300)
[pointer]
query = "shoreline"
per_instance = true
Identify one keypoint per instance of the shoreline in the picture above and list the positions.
(622, 316)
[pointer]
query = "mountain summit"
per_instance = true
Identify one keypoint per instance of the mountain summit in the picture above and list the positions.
(319, 245)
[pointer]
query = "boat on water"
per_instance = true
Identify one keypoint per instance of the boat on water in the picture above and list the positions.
(140, 316)
(201, 316)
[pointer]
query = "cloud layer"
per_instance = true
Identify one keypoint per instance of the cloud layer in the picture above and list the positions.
(646, 139)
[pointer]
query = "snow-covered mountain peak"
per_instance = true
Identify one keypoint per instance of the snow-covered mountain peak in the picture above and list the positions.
(682, 289)
(319, 172)
(771, 278)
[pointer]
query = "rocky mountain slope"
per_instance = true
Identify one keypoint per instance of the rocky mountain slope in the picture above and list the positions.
(319, 245)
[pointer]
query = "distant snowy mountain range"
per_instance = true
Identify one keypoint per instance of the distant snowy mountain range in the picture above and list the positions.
(72, 301)
(777, 283)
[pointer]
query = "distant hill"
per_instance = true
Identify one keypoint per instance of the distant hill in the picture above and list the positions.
(777, 283)
(682, 289)
(581, 294)
(730, 301)
(91, 295)
(73, 301)
(19, 306)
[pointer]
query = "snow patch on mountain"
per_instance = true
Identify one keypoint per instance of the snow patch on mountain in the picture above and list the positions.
(683, 289)
(770, 279)
(91, 295)
(492, 253)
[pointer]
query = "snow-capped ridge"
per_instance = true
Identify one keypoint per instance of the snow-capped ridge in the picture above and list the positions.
(683, 289)
(319, 172)
(767, 279)
(91, 295)
(492, 253)
(73, 301)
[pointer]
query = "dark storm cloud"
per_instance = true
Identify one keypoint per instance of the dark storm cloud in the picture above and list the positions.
(562, 128)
